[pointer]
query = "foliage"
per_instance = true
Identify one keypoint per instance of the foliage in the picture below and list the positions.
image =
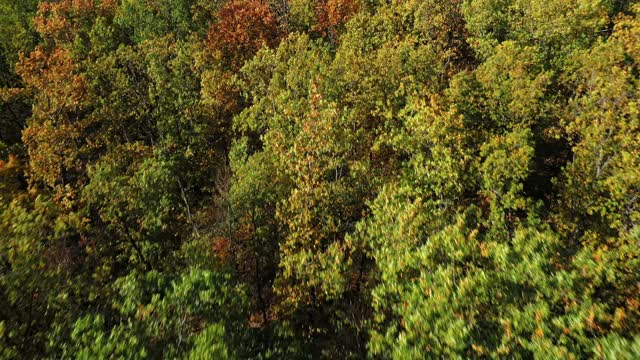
(319, 179)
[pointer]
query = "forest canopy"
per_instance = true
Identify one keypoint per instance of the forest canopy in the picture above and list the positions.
(289, 179)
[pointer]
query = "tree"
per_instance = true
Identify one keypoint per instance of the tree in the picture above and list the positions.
(241, 29)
